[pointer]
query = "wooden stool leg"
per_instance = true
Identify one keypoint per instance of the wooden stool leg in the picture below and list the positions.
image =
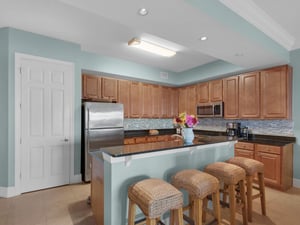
(262, 193)
(225, 193)
(205, 203)
(232, 203)
(131, 212)
(243, 199)
(191, 207)
(198, 211)
(216, 206)
(249, 180)
(177, 217)
(150, 221)
(172, 218)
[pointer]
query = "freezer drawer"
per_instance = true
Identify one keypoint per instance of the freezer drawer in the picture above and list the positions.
(94, 140)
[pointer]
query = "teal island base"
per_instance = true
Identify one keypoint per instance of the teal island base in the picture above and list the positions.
(111, 176)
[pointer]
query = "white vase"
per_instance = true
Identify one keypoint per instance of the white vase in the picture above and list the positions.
(188, 135)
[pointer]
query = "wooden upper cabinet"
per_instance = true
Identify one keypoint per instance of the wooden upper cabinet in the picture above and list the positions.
(124, 96)
(231, 97)
(109, 88)
(135, 99)
(146, 98)
(211, 91)
(99, 88)
(192, 100)
(249, 95)
(216, 90)
(183, 99)
(165, 101)
(187, 99)
(276, 92)
(156, 98)
(91, 87)
(203, 92)
(173, 109)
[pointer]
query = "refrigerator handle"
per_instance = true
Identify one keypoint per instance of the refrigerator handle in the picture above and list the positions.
(88, 130)
(88, 119)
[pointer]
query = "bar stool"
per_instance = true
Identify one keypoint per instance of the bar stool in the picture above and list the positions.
(231, 176)
(155, 197)
(199, 186)
(252, 167)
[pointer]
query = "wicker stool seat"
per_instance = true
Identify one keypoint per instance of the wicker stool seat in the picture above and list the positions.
(231, 176)
(199, 186)
(252, 167)
(154, 197)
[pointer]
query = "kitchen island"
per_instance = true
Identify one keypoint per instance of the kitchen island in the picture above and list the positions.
(114, 169)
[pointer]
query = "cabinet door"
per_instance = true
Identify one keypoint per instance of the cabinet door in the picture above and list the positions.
(249, 95)
(124, 96)
(146, 100)
(216, 90)
(91, 87)
(272, 164)
(231, 97)
(173, 110)
(203, 92)
(276, 93)
(165, 101)
(182, 99)
(135, 100)
(156, 98)
(244, 153)
(192, 99)
(109, 88)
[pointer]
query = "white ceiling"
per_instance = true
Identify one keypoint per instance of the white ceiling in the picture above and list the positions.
(105, 26)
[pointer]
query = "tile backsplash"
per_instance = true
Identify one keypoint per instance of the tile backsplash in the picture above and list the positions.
(268, 127)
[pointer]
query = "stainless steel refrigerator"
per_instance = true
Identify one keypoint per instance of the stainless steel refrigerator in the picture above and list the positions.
(102, 125)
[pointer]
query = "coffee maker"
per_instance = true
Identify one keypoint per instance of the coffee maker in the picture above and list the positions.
(233, 129)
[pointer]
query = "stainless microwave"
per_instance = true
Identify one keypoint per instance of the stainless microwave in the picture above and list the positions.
(213, 109)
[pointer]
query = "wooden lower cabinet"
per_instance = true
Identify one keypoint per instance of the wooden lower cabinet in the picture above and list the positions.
(147, 139)
(278, 162)
(244, 149)
(97, 190)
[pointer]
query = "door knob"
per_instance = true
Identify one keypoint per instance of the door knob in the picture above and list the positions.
(66, 139)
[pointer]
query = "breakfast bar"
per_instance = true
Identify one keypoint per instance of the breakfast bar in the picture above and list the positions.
(114, 169)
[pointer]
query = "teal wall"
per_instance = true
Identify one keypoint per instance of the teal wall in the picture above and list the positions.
(4, 107)
(12, 40)
(295, 59)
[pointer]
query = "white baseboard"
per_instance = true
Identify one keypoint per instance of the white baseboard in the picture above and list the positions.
(7, 192)
(75, 179)
(296, 183)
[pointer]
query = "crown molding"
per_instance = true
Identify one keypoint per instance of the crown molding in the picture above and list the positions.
(248, 10)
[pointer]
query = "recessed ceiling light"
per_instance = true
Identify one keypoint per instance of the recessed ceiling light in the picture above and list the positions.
(239, 54)
(143, 12)
(204, 38)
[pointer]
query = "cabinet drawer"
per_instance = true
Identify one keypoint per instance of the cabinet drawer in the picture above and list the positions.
(140, 140)
(244, 145)
(129, 141)
(152, 139)
(244, 153)
(268, 149)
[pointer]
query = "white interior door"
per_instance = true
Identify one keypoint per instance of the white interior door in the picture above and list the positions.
(46, 95)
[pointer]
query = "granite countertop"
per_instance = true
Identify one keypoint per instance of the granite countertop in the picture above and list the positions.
(201, 138)
(132, 149)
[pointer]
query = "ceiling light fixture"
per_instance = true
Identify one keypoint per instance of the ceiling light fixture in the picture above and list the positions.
(150, 47)
(143, 12)
(204, 38)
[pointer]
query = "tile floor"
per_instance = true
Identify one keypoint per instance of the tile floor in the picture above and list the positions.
(67, 205)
